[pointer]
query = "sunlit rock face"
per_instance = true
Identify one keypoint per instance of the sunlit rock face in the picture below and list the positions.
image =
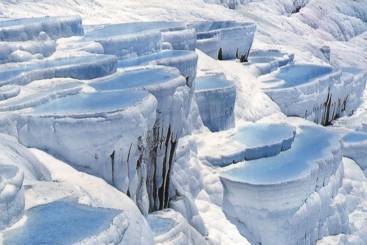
(287, 199)
(317, 93)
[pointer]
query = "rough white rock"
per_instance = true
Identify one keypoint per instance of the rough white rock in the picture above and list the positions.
(225, 39)
(317, 93)
(87, 66)
(31, 28)
(170, 227)
(215, 97)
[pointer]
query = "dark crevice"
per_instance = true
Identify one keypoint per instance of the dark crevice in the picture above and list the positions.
(112, 156)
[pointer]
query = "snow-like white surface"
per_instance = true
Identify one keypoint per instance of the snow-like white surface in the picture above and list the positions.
(11, 195)
(170, 227)
(24, 51)
(31, 28)
(308, 29)
(355, 147)
(265, 61)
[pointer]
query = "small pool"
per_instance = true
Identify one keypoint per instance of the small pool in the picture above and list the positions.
(261, 134)
(153, 57)
(61, 222)
(160, 225)
(288, 165)
(108, 31)
(294, 75)
(355, 137)
(212, 82)
(125, 79)
(91, 103)
(7, 72)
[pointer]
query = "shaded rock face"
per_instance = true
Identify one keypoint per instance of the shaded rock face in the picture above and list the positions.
(321, 94)
(168, 128)
(225, 40)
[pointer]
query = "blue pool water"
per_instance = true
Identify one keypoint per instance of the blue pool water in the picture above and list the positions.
(160, 225)
(212, 82)
(7, 72)
(261, 134)
(355, 137)
(288, 165)
(152, 57)
(98, 102)
(134, 78)
(60, 222)
(294, 75)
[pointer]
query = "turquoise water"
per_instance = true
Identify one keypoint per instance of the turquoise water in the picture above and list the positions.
(98, 102)
(355, 137)
(294, 75)
(211, 82)
(7, 72)
(60, 222)
(152, 57)
(134, 78)
(261, 134)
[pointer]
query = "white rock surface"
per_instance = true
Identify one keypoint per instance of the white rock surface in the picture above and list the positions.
(31, 28)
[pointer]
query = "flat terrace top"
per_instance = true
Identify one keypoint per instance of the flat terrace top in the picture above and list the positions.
(91, 103)
(310, 145)
(132, 78)
(261, 134)
(294, 75)
(212, 82)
